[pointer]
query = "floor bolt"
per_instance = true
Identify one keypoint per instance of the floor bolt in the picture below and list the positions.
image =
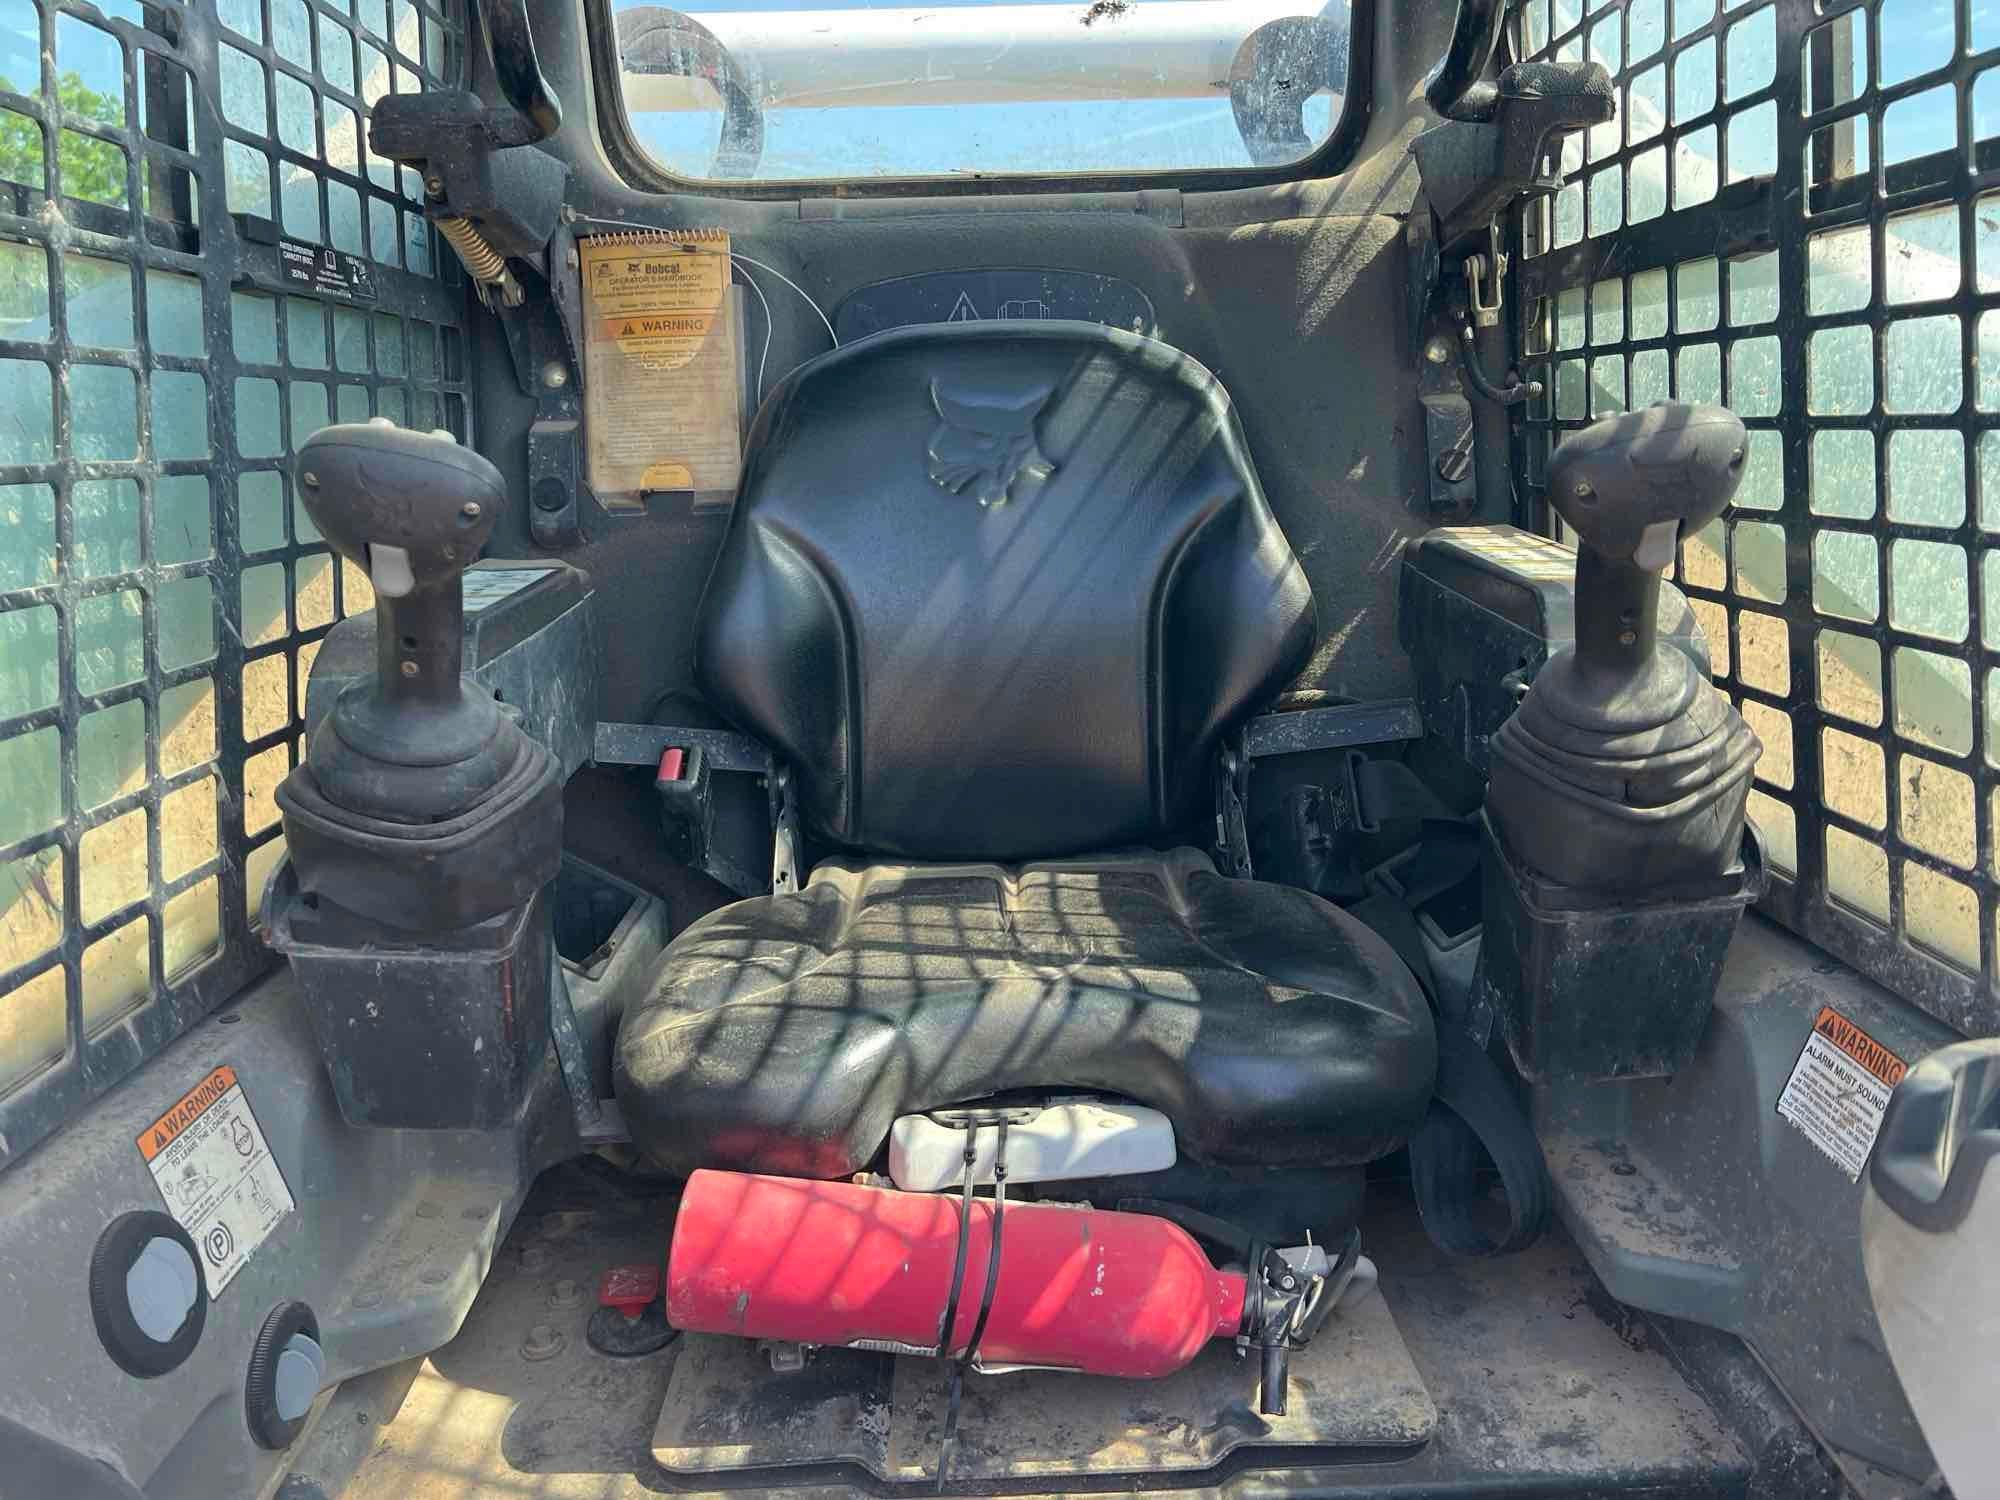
(542, 1342)
(563, 1294)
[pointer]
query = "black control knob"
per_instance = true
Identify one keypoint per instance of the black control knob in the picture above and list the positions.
(287, 1369)
(1631, 487)
(148, 1296)
(413, 509)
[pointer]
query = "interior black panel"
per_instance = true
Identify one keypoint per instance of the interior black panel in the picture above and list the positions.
(1281, 292)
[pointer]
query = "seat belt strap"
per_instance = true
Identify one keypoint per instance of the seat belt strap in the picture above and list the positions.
(1389, 791)
(1449, 852)
(1472, 1106)
(1299, 731)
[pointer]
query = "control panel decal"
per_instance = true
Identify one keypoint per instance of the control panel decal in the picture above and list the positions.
(215, 1171)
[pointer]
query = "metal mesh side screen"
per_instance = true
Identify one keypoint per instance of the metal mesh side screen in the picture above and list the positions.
(161, 596)
(1787, 216)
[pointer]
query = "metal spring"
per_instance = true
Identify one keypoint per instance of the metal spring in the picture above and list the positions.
(487, 266)
(481, 259)
(665, 239)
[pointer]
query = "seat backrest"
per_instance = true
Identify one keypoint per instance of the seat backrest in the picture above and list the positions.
(994, 589)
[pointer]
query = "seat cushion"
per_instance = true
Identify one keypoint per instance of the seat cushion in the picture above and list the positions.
(786, 1033)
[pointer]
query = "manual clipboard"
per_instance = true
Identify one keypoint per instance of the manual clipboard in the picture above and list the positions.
(661, 387)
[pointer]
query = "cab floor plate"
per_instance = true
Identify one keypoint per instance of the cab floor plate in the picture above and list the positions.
(1543, 1387)
(1355, 1394)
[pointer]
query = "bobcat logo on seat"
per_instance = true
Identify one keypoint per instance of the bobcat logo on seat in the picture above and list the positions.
(984, 443)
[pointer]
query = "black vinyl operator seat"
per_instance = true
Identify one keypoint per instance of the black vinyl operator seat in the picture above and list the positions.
(994, 591)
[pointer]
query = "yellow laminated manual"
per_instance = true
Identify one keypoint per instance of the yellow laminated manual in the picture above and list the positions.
(661, 404)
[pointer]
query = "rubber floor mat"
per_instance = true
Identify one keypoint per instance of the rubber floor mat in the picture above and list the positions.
(1355, 1394)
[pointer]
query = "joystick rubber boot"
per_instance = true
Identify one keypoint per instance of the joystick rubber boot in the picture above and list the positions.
(1624, 770)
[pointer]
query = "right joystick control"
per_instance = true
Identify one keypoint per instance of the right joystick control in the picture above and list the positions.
(1631, 487)
(1624, 769)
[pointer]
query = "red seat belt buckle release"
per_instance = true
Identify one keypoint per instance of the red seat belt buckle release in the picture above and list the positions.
(682, 785)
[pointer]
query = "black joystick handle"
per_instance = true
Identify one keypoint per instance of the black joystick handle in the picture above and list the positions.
(1631, 486)
(412, 509)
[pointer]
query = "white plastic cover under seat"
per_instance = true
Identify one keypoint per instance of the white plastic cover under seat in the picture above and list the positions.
(1066, 1140)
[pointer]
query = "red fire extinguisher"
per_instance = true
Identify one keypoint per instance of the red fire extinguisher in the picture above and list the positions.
(1076, 1288)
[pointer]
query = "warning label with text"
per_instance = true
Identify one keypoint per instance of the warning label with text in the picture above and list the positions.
(661, 392)
(216, 1173)
(1839, 1089)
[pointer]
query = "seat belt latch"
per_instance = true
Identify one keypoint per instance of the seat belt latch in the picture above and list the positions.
(1232, 800)
(684, 784)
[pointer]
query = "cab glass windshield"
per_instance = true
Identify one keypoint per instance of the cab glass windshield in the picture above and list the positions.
(762, 90)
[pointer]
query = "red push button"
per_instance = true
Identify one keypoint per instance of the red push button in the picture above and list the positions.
(673, 764)
(629, 1288)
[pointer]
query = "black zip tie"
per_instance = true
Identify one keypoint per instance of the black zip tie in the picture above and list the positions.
(951, 1306)
(964, 1236)
(955, 1387)
(993, 1250)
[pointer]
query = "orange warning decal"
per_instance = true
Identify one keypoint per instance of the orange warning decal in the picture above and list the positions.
(1860, 1046)
(695, 325)
(159, 1135)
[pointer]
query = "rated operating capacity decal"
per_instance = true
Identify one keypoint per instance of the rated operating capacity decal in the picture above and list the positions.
(214, 1169)
(1840, 1088)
